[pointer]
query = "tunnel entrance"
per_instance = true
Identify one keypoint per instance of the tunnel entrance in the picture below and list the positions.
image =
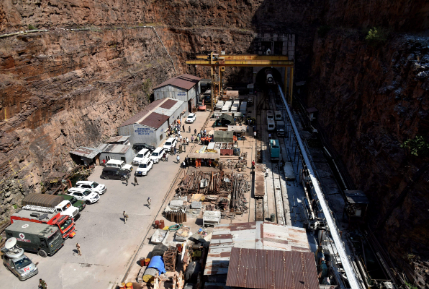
(261, 77)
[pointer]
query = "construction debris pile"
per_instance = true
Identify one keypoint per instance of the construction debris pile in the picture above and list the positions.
(217, 190)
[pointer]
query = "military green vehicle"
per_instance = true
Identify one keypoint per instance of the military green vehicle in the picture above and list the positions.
(75, 202)
(42, 239)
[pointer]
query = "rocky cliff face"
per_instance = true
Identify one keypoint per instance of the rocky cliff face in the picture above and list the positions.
(370, 100)
(65, 89)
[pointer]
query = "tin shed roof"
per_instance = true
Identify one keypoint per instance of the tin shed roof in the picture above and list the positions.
(89, 153)
(185, 81)
(154, 120)
(253, 235)
(116, 149)
(253, 268)
(135, 118)
(168, 104)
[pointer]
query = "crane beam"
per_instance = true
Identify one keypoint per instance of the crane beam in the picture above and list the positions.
(243, 63)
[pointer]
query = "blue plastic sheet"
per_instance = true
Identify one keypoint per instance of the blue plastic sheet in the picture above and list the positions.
(157, 263)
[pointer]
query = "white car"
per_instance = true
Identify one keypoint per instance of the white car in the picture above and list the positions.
(157, 155)
(84, 195)
(118, 164)
(170, 143)
(144, 167)
(141, 155)
(191, 118)
(93, 186)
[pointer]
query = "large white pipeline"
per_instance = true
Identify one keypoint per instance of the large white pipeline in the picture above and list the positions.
(330, 221)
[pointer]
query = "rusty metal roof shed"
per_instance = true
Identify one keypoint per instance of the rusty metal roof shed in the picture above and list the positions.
(185, 81)
(254, 268)
(253, 235)
(168, 104)
(89, 153)
(135, 118)
(154, 120)
(115, 148)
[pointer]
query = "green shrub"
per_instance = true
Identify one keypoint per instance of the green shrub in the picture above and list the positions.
(31, 27)
(323, 30)
(417, 146)
(376, 36)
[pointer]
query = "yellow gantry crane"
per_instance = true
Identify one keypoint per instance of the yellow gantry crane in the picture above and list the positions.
(214, 60)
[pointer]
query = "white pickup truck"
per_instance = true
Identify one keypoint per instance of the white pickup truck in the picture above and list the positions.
(65, 208)
(119, 164)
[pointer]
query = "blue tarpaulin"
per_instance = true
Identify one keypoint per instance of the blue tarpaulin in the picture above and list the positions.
(157, 263)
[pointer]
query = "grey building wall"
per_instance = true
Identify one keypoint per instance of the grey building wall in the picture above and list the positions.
(129, 155)
(143, 134)
(174, 92)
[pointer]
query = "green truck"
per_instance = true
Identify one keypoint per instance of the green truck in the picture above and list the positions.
(42, 239)
(75, 202)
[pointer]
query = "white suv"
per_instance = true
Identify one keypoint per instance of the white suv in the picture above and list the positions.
(170, 143)
(156, 155)
(141, 155)
(84, 195)
(93, 186)
(119, 164)
(144, 167)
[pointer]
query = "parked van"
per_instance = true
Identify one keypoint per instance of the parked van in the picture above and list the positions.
(114, 173)
(141, 155)
(170, 143)
(278, 115)
(118, 164)
(271, 125)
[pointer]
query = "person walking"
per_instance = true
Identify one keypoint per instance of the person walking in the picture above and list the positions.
(125, 217)
(148, 202)
(42, 284)
(126, 180)
(183, 128)
(187, 140)
(195, 131)
(174, 149)
(178, 159)
(189, 129)
(135, 181)
(78, 249)
(192, 138)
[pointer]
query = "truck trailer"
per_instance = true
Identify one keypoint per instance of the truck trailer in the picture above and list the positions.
(42, 239)
(64, 223)
(49, 204)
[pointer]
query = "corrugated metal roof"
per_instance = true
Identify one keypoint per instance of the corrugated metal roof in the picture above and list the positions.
(168, 104)
(154, 120)
(253, 268)
(89, 153)
(165, 106)
(118, 138)
(135, 118)
(115, 148)
(41, 200)
(185, 81)
(252, 235)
